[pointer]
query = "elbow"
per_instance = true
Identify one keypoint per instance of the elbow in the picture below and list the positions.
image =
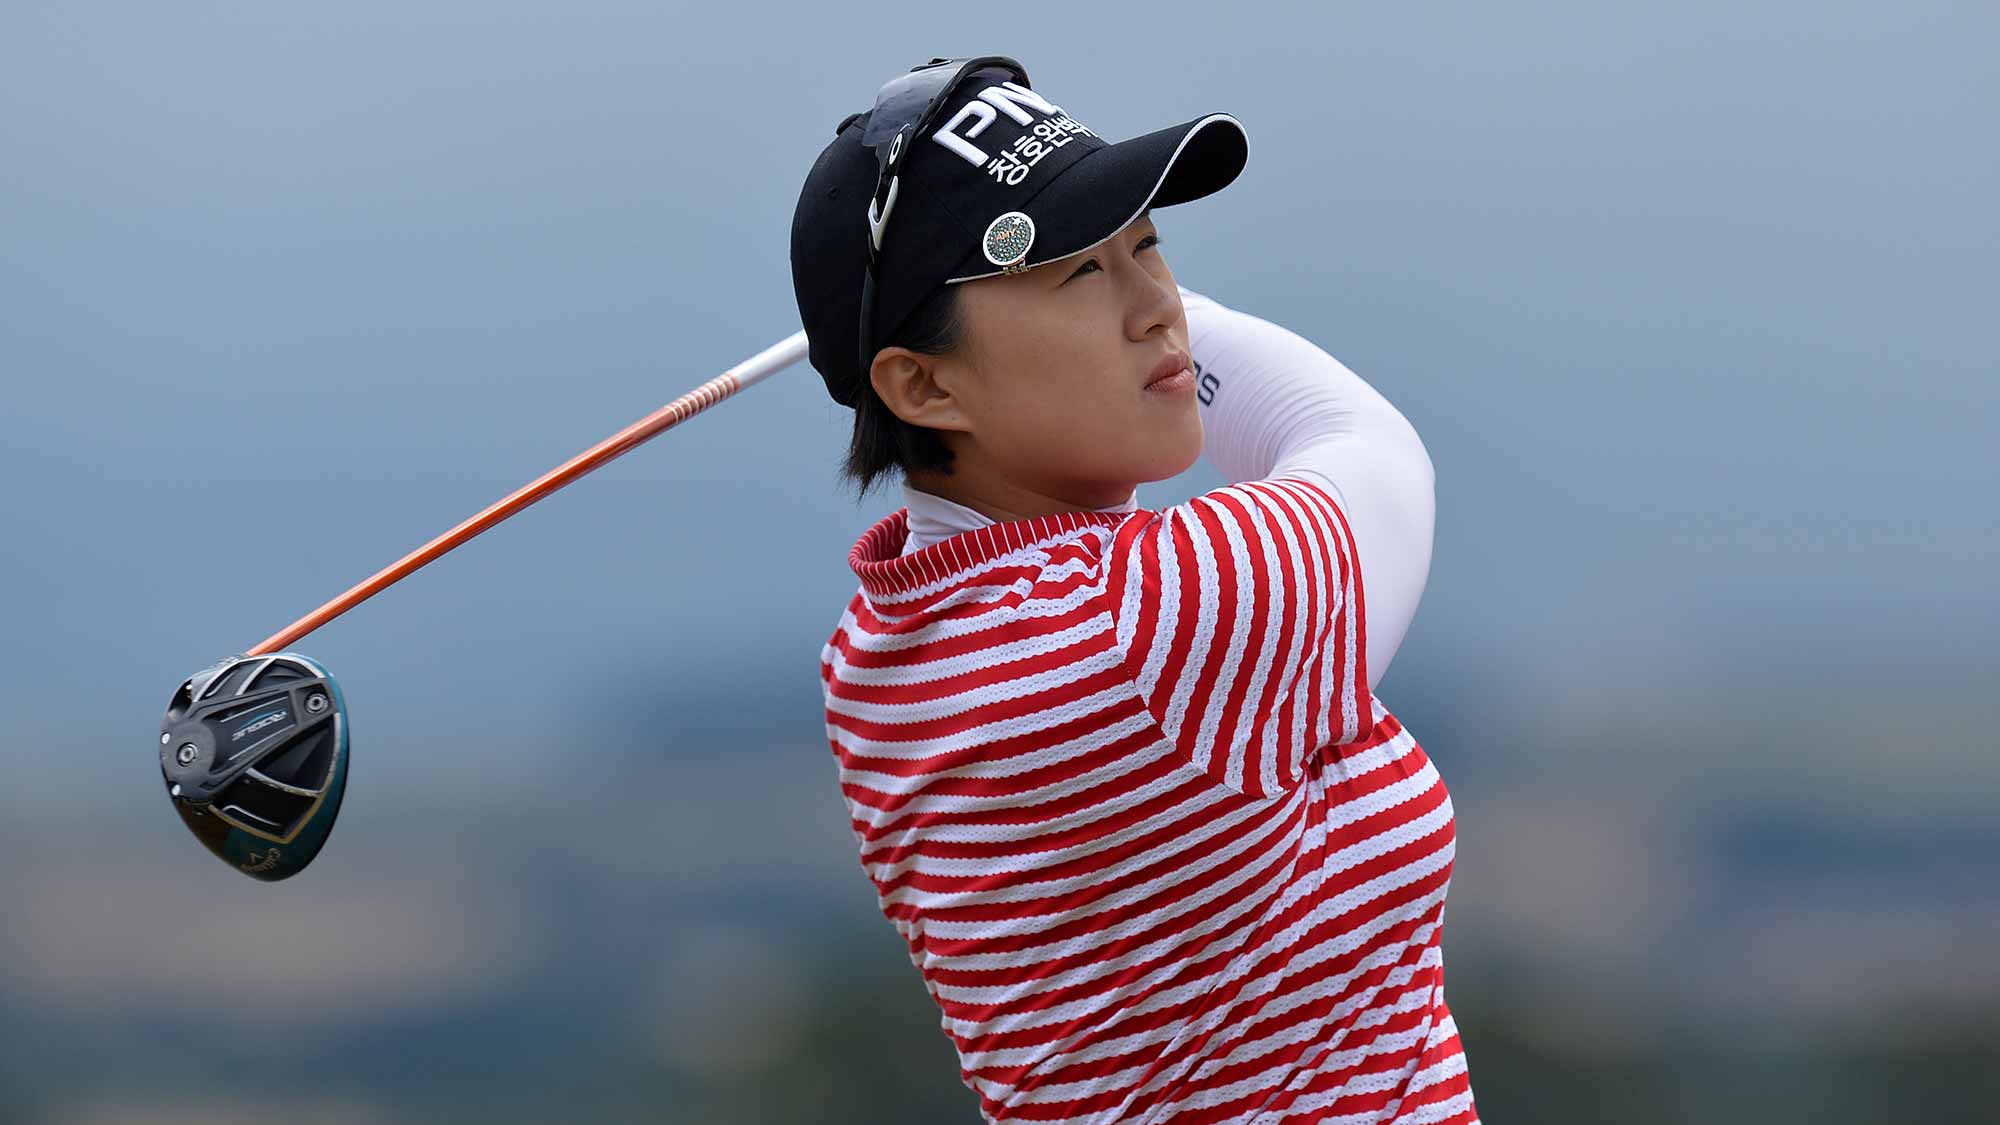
(1416, 457)
(1427, 469)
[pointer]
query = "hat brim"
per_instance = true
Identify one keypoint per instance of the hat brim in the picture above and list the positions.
(1102, 193)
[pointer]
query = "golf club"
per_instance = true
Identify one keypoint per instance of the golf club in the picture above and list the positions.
(253, 748)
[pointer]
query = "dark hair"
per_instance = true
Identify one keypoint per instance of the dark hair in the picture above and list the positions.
(882, 441)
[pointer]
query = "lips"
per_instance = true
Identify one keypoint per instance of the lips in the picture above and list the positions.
(1173, 363)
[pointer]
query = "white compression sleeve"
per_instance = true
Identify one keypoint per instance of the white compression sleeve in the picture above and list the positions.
(1280, 406)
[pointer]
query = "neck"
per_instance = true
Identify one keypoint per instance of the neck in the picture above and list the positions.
(1004, 501)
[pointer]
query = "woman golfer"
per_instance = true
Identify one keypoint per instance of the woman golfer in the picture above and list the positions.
(1118, 775)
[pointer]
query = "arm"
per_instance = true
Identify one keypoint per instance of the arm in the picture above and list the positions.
(1279, 406)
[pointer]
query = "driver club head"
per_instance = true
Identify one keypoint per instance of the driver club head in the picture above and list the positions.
(253, 751)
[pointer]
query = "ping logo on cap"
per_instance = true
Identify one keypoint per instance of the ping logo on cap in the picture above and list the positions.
(1008, 98)
(1037, 137)
(1008, 238)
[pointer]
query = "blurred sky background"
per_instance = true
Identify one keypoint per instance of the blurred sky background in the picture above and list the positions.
(1694, 309)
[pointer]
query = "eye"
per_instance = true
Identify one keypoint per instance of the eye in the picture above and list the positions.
(1145, 243)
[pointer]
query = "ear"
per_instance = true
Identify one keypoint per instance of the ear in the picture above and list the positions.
(912, 386)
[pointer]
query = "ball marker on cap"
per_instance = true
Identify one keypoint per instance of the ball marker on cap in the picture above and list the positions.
(1008, 238)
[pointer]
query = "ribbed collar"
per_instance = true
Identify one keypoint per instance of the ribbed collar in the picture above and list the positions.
(889, 572)
(932, 517)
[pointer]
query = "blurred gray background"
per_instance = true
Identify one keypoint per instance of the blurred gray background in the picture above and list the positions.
(1694, 310)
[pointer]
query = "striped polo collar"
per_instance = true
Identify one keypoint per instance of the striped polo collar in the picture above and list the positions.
(920, 576)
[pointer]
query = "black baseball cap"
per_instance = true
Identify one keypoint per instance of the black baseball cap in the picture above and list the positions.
(1004, 180)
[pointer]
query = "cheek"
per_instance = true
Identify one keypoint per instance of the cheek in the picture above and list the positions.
(1058, 397)
(1088, 421)
(1068, 383)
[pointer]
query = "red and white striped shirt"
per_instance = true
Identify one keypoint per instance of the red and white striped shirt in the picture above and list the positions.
(1156, 849)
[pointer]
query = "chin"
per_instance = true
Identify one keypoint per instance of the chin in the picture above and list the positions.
(1183, 458)
(1193, 440)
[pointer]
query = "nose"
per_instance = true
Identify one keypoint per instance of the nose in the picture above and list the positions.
(1155, 303)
